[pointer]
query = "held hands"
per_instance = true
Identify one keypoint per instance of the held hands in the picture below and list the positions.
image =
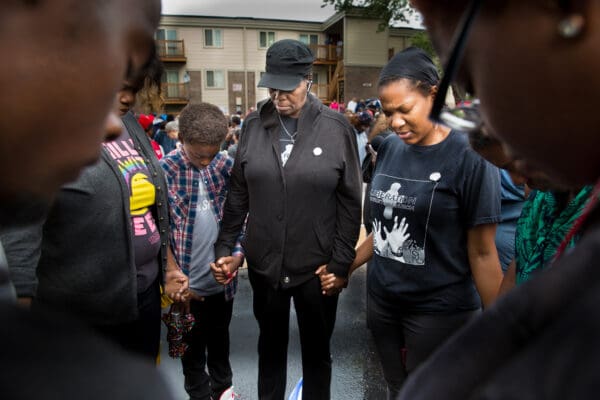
(330, 283)
(176, 285)
(225, 268)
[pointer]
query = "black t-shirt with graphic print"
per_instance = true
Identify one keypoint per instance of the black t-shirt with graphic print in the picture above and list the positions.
(423, 201)
(142, 197)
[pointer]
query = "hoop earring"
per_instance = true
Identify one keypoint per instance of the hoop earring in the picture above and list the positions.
(571, 26)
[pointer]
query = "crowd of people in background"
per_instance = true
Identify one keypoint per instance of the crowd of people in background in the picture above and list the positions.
(482, 279)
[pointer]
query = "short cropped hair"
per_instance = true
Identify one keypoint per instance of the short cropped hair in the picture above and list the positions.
(172, 126)
(202, 123)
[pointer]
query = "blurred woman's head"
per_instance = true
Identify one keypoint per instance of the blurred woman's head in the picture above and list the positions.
(521, 171)
(406, 88)
(143, 88)
(535, 82)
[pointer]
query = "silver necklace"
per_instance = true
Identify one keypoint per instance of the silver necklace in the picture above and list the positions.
(291, 135)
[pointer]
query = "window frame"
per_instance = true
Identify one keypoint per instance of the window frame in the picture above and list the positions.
(214, 72)
(273, 40)
(308, 38)
(213, 45)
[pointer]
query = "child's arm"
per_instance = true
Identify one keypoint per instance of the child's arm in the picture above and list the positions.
(176, 282)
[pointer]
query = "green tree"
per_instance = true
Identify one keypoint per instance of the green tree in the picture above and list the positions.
(422, 41)
(389, 11)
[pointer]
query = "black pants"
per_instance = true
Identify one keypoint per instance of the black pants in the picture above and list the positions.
(404, 341)
(141, 336)
(316, 319)
(209, 347)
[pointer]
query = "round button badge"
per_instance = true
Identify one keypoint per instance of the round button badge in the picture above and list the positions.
(317, 151)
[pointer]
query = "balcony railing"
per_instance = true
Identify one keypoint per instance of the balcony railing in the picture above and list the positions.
(321, 90)
(327, 52)
(176, 92)
(171, 50)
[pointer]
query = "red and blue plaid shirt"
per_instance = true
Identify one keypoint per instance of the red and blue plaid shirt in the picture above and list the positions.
(183, 179)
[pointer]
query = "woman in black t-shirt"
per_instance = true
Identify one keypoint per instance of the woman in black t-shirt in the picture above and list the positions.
(434, 204)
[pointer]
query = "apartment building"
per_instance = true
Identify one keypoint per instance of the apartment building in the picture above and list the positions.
(220, 59)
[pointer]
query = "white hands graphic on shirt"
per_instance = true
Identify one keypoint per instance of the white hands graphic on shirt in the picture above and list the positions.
(397, 236)
(378, 242)
(393, 243)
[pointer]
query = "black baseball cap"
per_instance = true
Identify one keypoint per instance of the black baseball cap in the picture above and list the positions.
(288, 62)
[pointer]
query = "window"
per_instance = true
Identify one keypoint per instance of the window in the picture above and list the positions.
(166, 34)
(266, 39)
(170, 79)
(167, 43)
(213, 38)
(215, 79)
(309, 39)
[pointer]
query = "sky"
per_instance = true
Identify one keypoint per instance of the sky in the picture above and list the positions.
(297, 10)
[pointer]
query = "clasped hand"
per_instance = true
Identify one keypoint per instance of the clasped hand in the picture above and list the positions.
(176, 285)
(225, 268)
(331, 284)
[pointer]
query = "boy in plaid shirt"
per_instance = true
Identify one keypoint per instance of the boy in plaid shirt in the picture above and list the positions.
(197, 178)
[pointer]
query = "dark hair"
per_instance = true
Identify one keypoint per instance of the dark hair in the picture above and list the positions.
(422, 87)
(480, 141)
(149, 75)
(413, 65)
(236, 120)
(146, 83)
(202, 123)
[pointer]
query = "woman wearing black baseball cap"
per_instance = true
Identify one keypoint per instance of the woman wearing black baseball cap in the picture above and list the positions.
(297, 178)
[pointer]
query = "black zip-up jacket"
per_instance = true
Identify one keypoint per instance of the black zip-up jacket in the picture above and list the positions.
(300, 216)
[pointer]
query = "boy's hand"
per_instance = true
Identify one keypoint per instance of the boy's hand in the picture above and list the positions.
(225, 268)
(176, 284)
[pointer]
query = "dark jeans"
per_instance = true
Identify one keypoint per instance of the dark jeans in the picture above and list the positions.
(316, 319)
(404, 341)
(209, 347)
(141, 336)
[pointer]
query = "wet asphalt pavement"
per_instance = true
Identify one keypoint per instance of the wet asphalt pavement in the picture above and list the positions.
(356, 372)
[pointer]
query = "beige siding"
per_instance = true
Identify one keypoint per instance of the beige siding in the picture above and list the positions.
(217, 97)
(399, 43)
(368, 47)
(365, 50)
(231, 56)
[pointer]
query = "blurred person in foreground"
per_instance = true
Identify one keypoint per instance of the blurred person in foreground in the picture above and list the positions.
(542, 339)
(101, 253)
(548, 214)
(46, 354)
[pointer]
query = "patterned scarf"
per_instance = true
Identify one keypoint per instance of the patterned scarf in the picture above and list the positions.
(541, 229)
